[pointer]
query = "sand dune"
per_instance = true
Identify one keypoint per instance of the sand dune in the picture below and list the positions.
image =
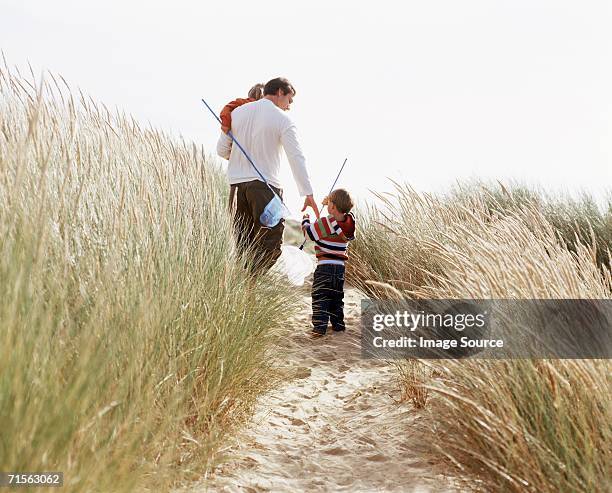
(335, 426)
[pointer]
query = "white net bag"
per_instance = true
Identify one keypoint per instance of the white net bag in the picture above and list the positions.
(296, 264)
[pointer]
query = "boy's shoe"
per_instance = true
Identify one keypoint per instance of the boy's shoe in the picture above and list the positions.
(338, 329)
(317, 332)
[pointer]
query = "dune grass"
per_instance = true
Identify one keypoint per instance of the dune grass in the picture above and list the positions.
(132, 340)
(539, 425)
(577, 220)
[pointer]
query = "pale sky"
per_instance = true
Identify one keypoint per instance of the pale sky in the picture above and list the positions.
(426, 92)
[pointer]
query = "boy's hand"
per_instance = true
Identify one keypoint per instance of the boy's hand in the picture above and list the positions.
(325, 200)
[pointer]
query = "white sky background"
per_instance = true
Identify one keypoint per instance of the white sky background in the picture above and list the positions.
(426, 92)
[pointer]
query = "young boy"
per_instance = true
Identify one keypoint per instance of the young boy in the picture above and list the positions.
(331, 235)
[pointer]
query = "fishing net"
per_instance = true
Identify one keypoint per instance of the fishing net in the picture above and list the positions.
(296, 264)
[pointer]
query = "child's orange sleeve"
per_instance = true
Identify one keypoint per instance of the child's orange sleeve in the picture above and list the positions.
(226, 112)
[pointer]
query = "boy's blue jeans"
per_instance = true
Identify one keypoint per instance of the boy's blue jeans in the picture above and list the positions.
(328, 297)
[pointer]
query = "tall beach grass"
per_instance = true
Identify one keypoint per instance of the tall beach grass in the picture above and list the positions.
(534, 425)
(132, 341)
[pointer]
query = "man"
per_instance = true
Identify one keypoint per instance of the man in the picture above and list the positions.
(262, 128)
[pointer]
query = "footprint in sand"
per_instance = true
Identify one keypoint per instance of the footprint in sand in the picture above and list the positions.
(328, 429)
(326, 357)
(303, 372)
(367, 440)
(376, 458)
(336, 451)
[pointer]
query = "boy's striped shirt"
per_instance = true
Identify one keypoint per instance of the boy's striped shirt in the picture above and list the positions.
(331, 242)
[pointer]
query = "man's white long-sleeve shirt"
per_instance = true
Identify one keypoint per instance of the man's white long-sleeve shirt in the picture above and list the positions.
(262, 129)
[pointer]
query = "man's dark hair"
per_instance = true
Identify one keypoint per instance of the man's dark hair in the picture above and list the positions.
(272, 86)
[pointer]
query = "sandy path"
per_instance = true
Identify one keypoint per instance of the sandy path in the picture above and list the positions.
(334, 427)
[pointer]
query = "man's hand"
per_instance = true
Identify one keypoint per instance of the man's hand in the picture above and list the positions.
(325, 200)
(310, 202)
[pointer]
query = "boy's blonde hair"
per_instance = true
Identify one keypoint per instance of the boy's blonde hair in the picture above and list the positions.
(342, 200)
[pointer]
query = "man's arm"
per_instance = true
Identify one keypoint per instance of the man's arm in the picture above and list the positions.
(309, 201)
(224, 146)
(296, 159)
